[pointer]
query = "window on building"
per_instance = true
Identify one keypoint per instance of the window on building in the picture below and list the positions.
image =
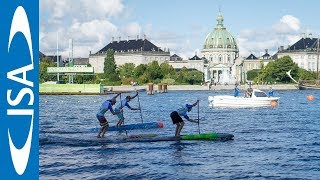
(220, 59)
(309, 66)
(314, 66)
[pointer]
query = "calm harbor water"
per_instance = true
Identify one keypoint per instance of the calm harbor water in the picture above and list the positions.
(274, 142)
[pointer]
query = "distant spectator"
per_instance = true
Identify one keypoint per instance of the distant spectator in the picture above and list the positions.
(236, 91)
(249, 91)
(270, 92)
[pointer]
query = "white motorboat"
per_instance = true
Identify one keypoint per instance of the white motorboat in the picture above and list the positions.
(258, 99)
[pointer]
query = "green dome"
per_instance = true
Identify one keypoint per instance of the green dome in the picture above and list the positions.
(220, 37)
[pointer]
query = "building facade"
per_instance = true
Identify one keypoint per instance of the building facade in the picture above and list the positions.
(221, 51)
(195, 63)
(138, 51)
(304, 52)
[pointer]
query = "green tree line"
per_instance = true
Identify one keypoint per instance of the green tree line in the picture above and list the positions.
(127, 73)
(276, 72)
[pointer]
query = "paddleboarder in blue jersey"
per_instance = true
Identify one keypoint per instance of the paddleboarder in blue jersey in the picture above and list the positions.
(105, 106)
(236, 91)
(122, 104)
(270, 92)
(176, 116)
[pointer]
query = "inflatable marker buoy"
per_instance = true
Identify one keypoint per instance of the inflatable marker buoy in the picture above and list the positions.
(274, 103)
(310, 98)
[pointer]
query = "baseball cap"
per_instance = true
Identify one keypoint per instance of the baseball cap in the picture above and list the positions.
(128, 97)
(189, 106)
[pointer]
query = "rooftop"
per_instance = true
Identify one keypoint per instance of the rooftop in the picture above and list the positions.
(131, 46)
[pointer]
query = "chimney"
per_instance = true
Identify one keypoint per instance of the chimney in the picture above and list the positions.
(281, 48)
(137, 37)
(128, 38)
(112, 39)
(119, 38)
(144, 37)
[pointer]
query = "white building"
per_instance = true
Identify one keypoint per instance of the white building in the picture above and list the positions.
(138, 51)
(221, 51)
(193, 63)
(303, 52)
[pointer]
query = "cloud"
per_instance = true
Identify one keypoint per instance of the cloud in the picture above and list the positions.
(92, 23)
(98, 8)
(132, 29)
(287, 24)
(87, 36)
(282, 33)
(86, 22)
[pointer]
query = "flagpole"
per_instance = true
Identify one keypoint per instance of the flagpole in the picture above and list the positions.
(58, 55)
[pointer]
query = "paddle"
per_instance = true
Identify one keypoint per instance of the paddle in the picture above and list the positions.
(140, 108)
(122, 114)
(198, 117)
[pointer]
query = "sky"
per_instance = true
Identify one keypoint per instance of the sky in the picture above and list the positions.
(180, 25)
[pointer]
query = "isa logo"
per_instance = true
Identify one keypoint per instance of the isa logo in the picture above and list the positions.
(19, 99)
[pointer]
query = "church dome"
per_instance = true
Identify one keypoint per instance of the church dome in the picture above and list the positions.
(220, 37)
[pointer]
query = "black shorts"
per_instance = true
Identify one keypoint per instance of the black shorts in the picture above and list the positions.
(176, 118)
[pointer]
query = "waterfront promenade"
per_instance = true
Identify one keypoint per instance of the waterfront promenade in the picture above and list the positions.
(128, 88)
(204, 88)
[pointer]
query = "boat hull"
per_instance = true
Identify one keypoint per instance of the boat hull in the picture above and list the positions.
(307, 87)
(231, 101)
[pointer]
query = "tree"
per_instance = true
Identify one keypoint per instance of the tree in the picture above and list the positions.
(194, 77)
(182, 74)
(153, 71)
(167, 70)
(110, 67)
(139, 70)
(252, 74)
(85, 79)
(44, 76)
(126, 70)
(306, 75)
(276, 71)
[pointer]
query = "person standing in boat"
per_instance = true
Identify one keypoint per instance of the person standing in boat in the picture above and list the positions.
(176, 116)
(249, 91)
(236, 91)
(119, 107)
(270, 92)
(105, 106)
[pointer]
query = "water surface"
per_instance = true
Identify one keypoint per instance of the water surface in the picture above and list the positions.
(274, 142)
